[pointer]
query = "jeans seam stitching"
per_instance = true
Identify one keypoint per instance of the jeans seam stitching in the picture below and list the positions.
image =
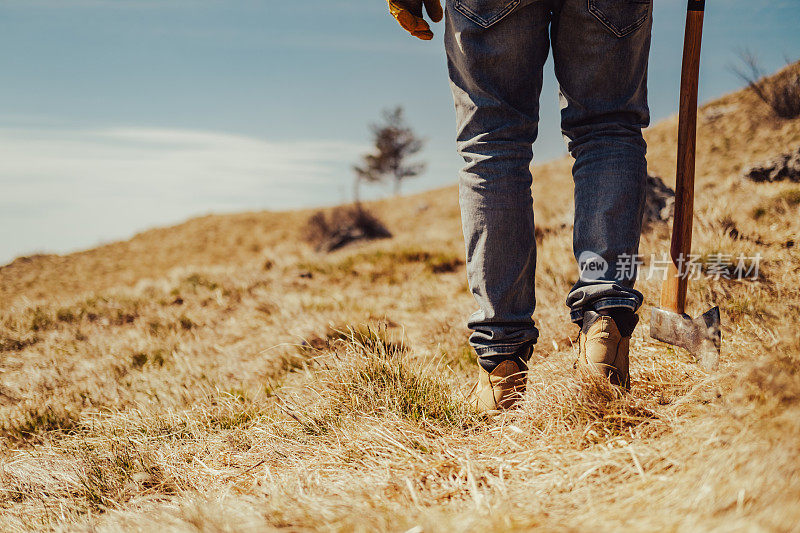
(482, 21)
(619, 32)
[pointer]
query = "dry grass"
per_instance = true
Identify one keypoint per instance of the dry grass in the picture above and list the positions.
(222, 376)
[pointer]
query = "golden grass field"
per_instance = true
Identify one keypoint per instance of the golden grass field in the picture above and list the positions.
(220, 375)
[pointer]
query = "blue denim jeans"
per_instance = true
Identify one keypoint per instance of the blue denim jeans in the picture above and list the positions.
(496, 51)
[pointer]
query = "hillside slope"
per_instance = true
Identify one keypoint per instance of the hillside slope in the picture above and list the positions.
(733, 132)
(220, 375)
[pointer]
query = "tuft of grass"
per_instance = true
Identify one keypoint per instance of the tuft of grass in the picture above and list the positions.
(775, 383)
(157, 358)
(467, 356)
(34, 423)
(158, 328)
(234, 410)
(728, 226)
(114, 311)
(117, 470)
(370, 338)
(195, 281)
(747, 306)
(15, 344)
(66, 315)
(373, 336)
(778, 205)
(371, 374)
(759, 212)
(790, 196)
(138, 360)
(40, 319)
(186, 323)
(589, 405)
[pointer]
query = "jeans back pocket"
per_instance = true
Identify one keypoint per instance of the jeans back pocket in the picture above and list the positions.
(621, 17)
(485, 12)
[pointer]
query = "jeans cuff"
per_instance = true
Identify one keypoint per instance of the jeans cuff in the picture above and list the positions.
(503, 350)
(576, 315)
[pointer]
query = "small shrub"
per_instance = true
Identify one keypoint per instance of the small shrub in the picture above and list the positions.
(343, 226)
(780, 92)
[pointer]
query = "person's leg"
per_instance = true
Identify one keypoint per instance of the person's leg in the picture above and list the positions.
(601, 50)
(496, 50)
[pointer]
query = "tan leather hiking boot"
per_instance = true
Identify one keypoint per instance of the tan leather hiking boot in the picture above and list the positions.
(500, 389)
(603, 349)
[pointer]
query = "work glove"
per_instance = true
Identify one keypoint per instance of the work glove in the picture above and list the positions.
(409, 14)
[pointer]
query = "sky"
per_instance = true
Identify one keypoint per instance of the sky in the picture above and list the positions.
(121, 115)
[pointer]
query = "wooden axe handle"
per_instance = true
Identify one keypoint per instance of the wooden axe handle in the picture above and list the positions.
(673, 292)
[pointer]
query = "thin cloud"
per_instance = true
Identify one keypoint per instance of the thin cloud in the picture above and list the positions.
(137, 156)
(68, 188)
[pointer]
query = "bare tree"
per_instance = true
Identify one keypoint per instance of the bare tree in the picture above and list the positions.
(781, 93)
(394, 142)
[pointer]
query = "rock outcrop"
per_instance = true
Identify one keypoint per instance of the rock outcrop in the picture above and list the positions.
(660, 202)
(785, 167)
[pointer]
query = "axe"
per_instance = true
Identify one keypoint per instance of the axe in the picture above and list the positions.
(669, 322)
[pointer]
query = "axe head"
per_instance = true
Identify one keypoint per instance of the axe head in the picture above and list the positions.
(700, 336)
